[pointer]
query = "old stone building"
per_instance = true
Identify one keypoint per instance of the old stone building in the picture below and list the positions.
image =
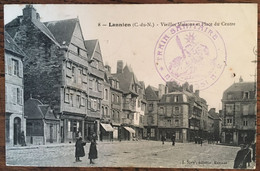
(239, 113)
(96, 84)
(14, 89)
(60, 71)
(129, 85)
(180, 112)
(153, 96)
(115, 95)
(217, 124)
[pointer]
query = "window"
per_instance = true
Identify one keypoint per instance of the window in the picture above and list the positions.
(90, 83)
(18, 95)
(15, 67)
(117, 84)
(139, 103)
(177, 110)
(168, 98)
(177, 122)
(71, 100)
(245, 122)
(106, 94)
(229, 121)
(103, 111)
(106, 111)
(229, 108)
(150, 107)
(169, 121)
(176, 98)
(117, 99)
(246, 95)
(67, 95)
(83, 101)
(80, 75)
(161, 110)
(74, 74)
(245, 109)
(78, 101)
(113, 97)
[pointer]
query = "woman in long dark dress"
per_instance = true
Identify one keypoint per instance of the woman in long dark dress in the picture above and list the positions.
(79, 152)
(92, 151)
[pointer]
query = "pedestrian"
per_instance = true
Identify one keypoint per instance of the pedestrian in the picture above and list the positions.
(92, 151)
(200, 140)
(242, 158)
(173, 139)
(163, 139)
(22, 139)
(79, 151)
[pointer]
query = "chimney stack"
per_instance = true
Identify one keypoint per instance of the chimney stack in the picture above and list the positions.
(119, 66)
(29, 13)
(108, 68)
(197, 93)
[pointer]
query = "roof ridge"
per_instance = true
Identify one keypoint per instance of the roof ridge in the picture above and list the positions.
(60, 20)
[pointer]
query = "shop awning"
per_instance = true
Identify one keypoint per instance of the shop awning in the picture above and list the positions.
(107, 127)
(131, 130)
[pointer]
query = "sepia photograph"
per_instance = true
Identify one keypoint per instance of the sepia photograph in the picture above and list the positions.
(149, 85)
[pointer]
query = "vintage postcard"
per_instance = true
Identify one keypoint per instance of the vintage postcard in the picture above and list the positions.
(170, 86)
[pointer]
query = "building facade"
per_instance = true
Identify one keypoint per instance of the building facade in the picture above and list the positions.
(239, 113)
(60, 71)
(14, 89)
(129, 85)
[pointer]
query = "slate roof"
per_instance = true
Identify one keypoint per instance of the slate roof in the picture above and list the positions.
(151, 94)
(90, 46)
(241, 86)
(34, 109)
(125, 79)
(213, 114)
(62, 30)
(12, 46)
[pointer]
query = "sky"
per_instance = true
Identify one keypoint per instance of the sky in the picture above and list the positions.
(136, 45)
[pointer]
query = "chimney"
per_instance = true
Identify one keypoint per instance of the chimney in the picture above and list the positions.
(185, 86)
(29, 13)
(197, 93)
(119, 66)
(241, 79)
(191, 88)
(161, 90)
(108, 68)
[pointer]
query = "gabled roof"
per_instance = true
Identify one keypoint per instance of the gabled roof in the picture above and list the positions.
(62, 30)
(151, 94)
(125, 79)
(34, 109)
(90, 46)
(12, 46)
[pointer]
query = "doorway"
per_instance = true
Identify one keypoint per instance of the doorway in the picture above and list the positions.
(17, 130)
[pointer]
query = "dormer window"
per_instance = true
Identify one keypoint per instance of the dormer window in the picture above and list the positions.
(246, 95)
(176, 98)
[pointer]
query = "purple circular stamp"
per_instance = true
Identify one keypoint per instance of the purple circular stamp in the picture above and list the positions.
(190, 51)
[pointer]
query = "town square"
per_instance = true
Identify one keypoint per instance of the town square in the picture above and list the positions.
(78, 95)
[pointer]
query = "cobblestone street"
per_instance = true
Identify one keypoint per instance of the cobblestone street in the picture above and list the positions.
(137, 154)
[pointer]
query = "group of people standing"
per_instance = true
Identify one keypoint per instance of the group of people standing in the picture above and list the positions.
(163, 138)
(80, 152)
(245, 156)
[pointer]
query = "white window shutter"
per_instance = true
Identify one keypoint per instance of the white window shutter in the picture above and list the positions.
(10, 66)
(21, 96)
(20, 69)
(14, 93)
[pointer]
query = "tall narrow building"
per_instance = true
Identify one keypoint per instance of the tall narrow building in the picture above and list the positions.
(239, 113)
